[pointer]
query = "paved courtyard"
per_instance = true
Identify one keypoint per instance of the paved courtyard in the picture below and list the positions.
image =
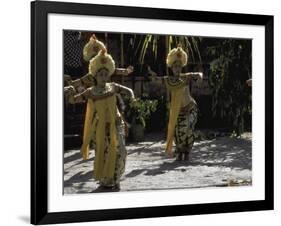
(224, 161)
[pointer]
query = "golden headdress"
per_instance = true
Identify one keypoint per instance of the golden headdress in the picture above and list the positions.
(92, 48)
(102, 60)
(177, 54)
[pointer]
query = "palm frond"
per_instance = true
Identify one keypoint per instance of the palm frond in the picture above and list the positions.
(195, 44)
(189, 48)
(190, 44)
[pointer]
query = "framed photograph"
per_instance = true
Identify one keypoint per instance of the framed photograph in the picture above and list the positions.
(145, 112)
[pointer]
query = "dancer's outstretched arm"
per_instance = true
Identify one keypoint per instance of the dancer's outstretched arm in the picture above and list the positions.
(193, 75)
(88, 80)
(83, 82)
(125, 90)
(124, 71)
(73, 97)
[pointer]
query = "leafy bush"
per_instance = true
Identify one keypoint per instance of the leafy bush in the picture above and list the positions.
(140, 110)
(229, 70)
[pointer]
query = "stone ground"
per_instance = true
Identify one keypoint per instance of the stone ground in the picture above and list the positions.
(224, 161)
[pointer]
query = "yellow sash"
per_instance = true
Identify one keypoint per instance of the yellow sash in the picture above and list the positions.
(87, 126)
(97, 125)
(176, 97)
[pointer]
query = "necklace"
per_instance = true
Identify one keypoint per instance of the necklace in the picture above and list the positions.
(175, 83)
(100, 91)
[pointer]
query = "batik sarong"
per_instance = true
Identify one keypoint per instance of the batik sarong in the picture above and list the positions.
(184, 130)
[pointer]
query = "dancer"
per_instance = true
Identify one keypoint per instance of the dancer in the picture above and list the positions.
(183, 108)
(90, 50)
(104, 124)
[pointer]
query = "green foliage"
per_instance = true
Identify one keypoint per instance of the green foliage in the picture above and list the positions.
(229, 70)
(140, 110)
(155, 43)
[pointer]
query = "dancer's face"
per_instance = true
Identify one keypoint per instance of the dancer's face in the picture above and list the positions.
(102, 77)
(176, 67)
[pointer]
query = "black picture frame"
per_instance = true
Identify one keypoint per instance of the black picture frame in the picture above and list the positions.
(39, 112)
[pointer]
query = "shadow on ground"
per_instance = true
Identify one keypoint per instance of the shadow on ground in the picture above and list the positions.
(212, 162)
(221, 152)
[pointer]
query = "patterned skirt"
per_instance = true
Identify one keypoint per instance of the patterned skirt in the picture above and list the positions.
(121, 154)
(184, 130)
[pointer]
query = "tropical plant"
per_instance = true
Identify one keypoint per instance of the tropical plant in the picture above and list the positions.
(140, 110)
(155, 42)
(229, 70)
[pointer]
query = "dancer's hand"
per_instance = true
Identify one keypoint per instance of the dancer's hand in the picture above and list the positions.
(69, 90)
(249, 82)
(200, 76)
(130, 69)
(133, 102)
